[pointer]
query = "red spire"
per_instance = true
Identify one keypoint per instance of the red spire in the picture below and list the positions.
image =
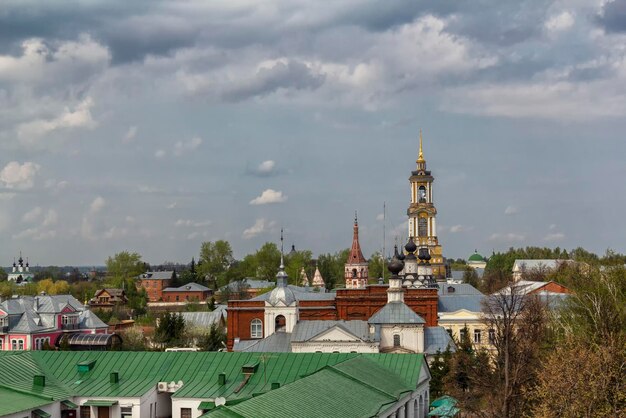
(356, 255)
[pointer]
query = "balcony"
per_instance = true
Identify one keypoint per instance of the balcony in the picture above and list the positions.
(69, 327)
(4, 329)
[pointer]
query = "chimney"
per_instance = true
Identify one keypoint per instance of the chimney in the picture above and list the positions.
(275, 385)
(114, 377)
(221, 379)
(39, 380)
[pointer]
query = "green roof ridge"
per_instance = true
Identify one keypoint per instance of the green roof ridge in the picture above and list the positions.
(26, 392)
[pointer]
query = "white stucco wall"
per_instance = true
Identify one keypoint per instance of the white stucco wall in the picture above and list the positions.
(411, 337)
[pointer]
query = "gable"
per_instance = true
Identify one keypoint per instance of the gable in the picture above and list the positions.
(3, 313)
(335, 333)
(68, 309)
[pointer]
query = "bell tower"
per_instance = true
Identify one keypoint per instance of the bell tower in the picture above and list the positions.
(422, 214)
(356, 271)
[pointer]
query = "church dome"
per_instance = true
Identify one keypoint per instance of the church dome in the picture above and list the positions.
(282, 294)
(476, 257)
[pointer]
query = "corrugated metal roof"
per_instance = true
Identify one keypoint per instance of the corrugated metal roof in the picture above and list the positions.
(457, 289)
(279, 342)
(437, 339)
(396, 313)
(366, 388)
(204, 319)
(453, 303)
(306, 330)
(13, 402)
(302, 293)
(157, 275)
(139, 372)
(189, 287)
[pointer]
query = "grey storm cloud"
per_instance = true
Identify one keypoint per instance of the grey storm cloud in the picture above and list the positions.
(613, 16)
(173, 113)
(287, 75)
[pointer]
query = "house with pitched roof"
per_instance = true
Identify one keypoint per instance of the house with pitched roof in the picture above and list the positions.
(30, 322)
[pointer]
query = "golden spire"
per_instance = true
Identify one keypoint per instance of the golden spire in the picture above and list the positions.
(420, 158)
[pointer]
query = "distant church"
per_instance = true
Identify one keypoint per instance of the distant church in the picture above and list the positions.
(21, 273)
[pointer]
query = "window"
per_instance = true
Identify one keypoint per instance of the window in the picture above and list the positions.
(1, 344)
(20, 345)
(126, 411)
(422, 194)
(85, 412)
(4, 322)
(396, 340)
(185, 412)
(13, 345)
(422, 227)
(492, 336)
(462, 334)
(256, 328)
(476, 336)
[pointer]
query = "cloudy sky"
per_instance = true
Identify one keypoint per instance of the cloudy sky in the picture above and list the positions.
(153, 126)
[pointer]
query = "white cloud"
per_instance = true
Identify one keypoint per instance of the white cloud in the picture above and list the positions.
(130, 134)
(380, 217)
(115, 232)
(19, 176)
(260, 226)
(560, 22)
(269, 196)
(97, 204)
(182, 147)
(172, 205)
(32, 215)
(36, 234)
(190, 223)
(511, 210)
(266, 167)
(50, 218)
(555, 236)
(80, 117)
(159, 153)
(507, 237)
(460, 228)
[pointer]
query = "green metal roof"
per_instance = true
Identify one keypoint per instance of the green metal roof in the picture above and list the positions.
(476, 257)
(100, 402)
(358, 387)
(41, 414)
(69, 404)
(139, 372)
(13, 401)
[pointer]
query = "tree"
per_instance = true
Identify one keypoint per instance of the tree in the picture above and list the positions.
(518, 323)
(122, 266)
(332, 267)
(133, 339)
(215, 259)
(375, 266)
(439, 370)
(471, 277)
(214, 340)
(267, 261)
(170, 330)
(295, 262)
(3, 274)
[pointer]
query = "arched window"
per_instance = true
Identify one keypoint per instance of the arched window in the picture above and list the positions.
(421, 194)
(422, 227)
(396, 340)
(256, 328)
(281, 322)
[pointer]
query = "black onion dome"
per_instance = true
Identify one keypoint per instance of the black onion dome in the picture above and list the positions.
(395, 265)
(410, 246)
(401, 256)
(423, 252)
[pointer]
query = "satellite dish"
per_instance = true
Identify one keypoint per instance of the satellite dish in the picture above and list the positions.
(220, 401)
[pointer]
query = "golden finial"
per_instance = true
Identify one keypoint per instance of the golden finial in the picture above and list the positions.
(420, 158)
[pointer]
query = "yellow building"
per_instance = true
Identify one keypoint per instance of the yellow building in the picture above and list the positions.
(422, 214)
